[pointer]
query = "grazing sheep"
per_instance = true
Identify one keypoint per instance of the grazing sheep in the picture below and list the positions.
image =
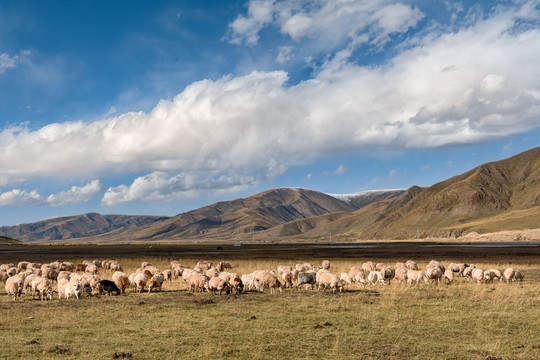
(3, 276)
(91, 268)
(219, 284)
(306, 278)
(167, 274)
(518, 276)
(115, 266)
(69, 288)
(389, 273)
(155, 282)
(346, 278)
(468, 272)
(121, 280)
(212, 273)
(376, 276)
(175, 263)
(457, 268)
(198, 281)
(416, 276)
(496, 274)
(67, 266)
(249, 282)
(63, 275)
(177, 271)
(204, 265)
(434, 273)
(5, 267)
(284, 268)
(265, 279)
(43, 287)
(401, 274)
(233, 280)
(478, 275)
(12, 271)
(28, 282)
(12, 288)
(329, 280)
(411, 265)
(357, 275)
(140, 280)
(401, 265)
(109, 287)
(368, 266)
(22, 265)
(146, 264)
(131, 279)
(379, 266)
(144, 271)
(509, 274)
(448, 275)
(81, 267)
(50, 273)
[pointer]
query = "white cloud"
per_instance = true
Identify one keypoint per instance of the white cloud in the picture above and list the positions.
(392, 174)
(465, 86)
(75, 195)
(17, 198)
(285, 54)
(11, 62)
(246, 28)
(160, 186)
(340, 170)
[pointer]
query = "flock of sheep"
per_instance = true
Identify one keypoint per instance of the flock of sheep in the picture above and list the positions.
(78, 280)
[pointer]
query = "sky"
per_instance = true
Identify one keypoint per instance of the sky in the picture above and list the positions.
(157, 108)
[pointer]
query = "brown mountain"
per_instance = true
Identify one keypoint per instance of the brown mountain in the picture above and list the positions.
(501, 195)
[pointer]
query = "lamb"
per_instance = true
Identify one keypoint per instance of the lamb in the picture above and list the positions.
(306, 278)
(121, 280)
(198, 281)
(219, 284)
(12, 288)
(156, 282)
(140, 281)
(265, 279)
(329, 280)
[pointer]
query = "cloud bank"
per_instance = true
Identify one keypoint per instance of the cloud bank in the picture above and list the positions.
(465, 86)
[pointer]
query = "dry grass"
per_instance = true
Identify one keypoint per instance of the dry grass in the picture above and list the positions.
(457, 321)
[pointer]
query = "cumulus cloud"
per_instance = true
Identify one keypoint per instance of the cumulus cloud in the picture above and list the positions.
(160, 186)
(465, 86)
(75, 195)
(285, 54)
(245, 29)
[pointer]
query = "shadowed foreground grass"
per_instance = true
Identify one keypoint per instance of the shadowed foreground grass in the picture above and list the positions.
(458, 321)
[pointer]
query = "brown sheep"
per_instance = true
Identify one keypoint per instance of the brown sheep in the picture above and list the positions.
(156, 282)
(198, 281)
(216, 283)
(121, 280)
(265, 279)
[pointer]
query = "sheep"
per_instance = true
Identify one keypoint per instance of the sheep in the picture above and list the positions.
(81, 267)
(140, 280)
(12, 288)
(153, 270)
(468, 271)
(12, 271)
(416, 275)
(518, 276)
(97, 263)
(434, 273)
(5, 267)
(109, 287)
(204, 265)
(306, 278)
(411, 265)
(491, 274)
(376, 276)
(401, 265)
(457, 268)
(287, 278)
(329, 280)
(43, 287)
(175, 263)
(69, 288)
(233, 280)
(379, 266)
(509, 274)
(131, 279)
(167, 274)
(368, 266)
(144, 271)
(156, 282)
(436, 264)
(28, 282)
(448, 275)
(401, 274)
(265, 279)
(91, 268)
(496, 274)
(177, 271)
(389, 273)
(67, 266)
(115, 266)
(146, 264)
(50, 273)
(216, 283)
(357, 275)
(3, 276)
(345, 278)
(188, 273)
(93, 281)
(212, 273)
(121, 280)
(304, 267)
(63, 275)
(249, 281)
(284, 268)
(198, 281)
(223, 265)
(478, 275)
(22, 265)
(326, 264)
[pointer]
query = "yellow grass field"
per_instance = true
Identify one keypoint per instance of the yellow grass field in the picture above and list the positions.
(461, 320)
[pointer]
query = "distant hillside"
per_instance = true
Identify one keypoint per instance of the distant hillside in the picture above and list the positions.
(8, 241)
(77, 226)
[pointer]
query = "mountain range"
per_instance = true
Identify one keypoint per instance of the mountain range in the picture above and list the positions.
(501, 195)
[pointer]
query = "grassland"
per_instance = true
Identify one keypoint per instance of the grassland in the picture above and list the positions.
(457, 321)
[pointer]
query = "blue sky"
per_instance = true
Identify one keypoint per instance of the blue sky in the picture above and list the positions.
(162, 107)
